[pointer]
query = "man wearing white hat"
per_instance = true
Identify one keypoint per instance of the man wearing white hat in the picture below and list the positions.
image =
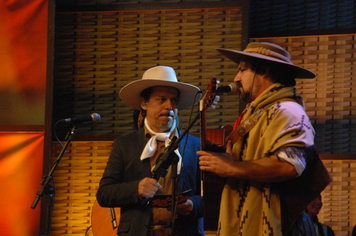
(127, 181)
(271, 165)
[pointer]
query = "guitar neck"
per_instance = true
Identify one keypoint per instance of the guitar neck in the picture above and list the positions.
(207, 99)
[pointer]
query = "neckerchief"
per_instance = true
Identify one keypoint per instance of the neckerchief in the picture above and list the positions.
(151, 145)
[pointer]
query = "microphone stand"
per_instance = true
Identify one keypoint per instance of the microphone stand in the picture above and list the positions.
(175, 187)
(47, 188)
(166, 159)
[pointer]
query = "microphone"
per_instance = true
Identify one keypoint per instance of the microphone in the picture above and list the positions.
(113, 218)
(229, 89)
(164, 160)
(95, 118)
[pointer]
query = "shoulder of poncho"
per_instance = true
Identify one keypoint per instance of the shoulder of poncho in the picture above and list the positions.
(287, 107)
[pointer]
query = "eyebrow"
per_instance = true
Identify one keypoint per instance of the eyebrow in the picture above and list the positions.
(165, 97)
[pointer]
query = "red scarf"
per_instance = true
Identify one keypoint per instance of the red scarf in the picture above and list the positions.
(238, 121)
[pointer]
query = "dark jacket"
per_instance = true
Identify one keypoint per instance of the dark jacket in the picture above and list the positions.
(124, 170)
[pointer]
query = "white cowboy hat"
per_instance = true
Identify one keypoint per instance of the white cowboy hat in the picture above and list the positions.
(270, 52)
(159, 76)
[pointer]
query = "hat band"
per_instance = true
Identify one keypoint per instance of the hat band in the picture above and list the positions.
(267, 52)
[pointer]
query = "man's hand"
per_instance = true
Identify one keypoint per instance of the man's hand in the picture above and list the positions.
(265, 169)
(148, 187)
(220, 164)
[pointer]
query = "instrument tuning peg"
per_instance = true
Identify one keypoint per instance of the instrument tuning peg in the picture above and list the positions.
(217, 84)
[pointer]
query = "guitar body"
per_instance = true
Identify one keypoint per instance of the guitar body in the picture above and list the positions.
(101, 220)
(213, 184)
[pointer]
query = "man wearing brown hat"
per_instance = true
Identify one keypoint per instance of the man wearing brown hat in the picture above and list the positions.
(127, 181)
(271, 165)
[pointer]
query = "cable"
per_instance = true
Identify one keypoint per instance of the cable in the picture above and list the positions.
(86, 232)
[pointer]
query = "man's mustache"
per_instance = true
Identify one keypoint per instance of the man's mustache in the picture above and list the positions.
(239, 85)
(168, 113)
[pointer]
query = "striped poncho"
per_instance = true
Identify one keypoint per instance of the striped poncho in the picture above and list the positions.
(275, 119)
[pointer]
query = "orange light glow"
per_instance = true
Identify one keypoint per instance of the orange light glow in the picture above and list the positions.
(23, 61)
(21, 160)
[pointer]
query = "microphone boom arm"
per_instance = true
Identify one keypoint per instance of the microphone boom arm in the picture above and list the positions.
(162, 161)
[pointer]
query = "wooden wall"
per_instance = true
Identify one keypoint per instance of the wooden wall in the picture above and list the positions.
(98, 52)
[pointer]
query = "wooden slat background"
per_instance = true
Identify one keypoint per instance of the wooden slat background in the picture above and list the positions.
(330, 98)
(97, 53)
(77, 179)
(95, 58)
(275, 17)
(339, 209)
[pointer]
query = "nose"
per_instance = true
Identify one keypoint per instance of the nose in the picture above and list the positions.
(169, 104)
(237, 77)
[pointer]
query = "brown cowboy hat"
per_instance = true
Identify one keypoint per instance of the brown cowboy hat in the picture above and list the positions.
(159, 76)
(269, 52)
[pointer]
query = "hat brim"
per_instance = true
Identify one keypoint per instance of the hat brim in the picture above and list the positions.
(130, 93)
(296, 71)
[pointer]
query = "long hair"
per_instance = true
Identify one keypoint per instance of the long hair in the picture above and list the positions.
(276, 71)
(138, 118)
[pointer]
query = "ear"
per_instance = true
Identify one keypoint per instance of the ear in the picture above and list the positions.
(267, 76)
(266, 73)
(143, 103)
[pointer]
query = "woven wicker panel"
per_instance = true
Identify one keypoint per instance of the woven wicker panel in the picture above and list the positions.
(78, 174)
(98, 53)
(273, 17)
(339, 203)
(77, 179)
(75, 4)
(330, 98)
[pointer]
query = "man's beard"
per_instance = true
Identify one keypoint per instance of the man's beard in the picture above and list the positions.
(168, 125)
(244, 96)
